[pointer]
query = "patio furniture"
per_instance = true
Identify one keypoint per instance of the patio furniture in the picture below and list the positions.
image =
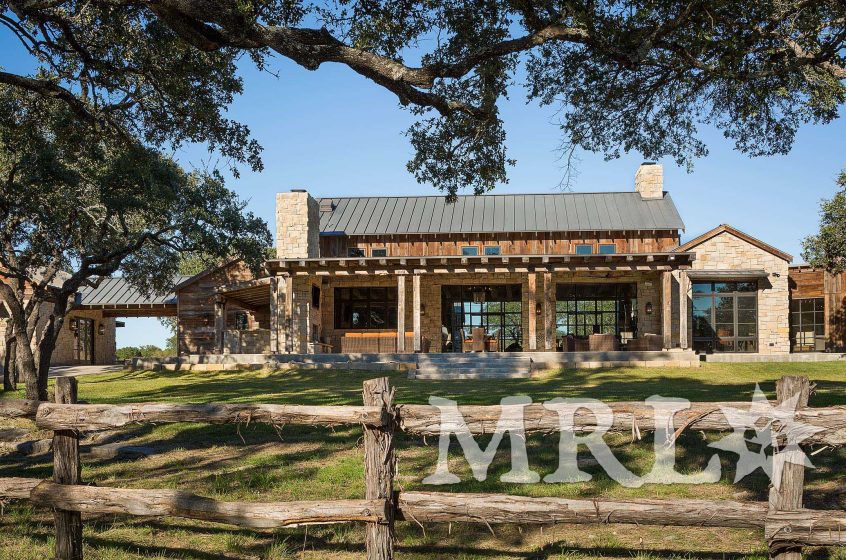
(581, 345)
(603, 343)
(478, 334)
(646, 342)
(377, 342)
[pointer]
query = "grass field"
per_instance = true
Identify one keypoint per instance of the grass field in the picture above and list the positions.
(318, 463)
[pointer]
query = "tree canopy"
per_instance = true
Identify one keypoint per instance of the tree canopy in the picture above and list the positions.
(627, 75)
(75, 208)
(827, 249)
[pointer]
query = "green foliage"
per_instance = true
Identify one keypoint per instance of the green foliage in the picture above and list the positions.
(626, 75)
(827, 249)
(144, 351)
(76, 207)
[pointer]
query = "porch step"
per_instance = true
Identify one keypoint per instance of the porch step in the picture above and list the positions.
(471, 366)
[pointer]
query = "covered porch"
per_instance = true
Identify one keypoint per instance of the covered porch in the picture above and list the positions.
(528, 303)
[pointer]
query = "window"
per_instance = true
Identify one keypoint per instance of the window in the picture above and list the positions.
(379, 252)
(365, 308)
(497, 309)
(725, 316)
(807, 321)
(607, 249)
(241, 321)
(585, 309)
(355, 252)
(492, 250)
(469, 251)
(315, 297)
(584, 249)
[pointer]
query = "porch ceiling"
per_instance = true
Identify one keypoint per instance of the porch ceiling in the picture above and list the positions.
(482, 264)
(251, 294)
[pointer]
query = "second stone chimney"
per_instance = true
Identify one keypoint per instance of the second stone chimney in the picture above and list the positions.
(649, 180)
(297, 225)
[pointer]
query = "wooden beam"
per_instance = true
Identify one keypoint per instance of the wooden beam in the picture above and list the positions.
(533, 317)
(549, 329)
(788, 496)
(667, 309)
(380, 464)
(400, 314)
(176, 503)
(415, 286)
(435, 507)
(67, 469)
(101, 416)
(684, 309)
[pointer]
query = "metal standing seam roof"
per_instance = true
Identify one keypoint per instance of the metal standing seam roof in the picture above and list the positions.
(501, 213)
(117, 291)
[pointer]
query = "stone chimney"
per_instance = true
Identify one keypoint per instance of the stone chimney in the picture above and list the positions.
(297, 225)
(649, 180)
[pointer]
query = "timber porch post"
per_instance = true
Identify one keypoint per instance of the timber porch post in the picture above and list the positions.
(219, 323)
(684, 309)
(549, 329)
(533, 316)
(400, 313)
(667, 309)
(415, 284)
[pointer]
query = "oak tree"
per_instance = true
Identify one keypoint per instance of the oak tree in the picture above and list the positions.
(76, 208)
(626, 75)
(827, 248)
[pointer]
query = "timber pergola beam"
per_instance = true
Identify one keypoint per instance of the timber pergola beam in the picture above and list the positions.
(130, 309)
(464, 264)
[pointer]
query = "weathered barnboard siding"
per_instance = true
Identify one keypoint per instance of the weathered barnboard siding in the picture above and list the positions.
(195, 308)
(554, 243)
(808, 282)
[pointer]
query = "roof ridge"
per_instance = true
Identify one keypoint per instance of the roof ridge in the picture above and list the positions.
(481, 195)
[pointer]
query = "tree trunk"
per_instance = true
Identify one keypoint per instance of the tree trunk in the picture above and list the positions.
(26, 367)
(10, 381)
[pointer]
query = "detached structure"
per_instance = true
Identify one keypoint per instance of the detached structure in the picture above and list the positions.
(601, 275)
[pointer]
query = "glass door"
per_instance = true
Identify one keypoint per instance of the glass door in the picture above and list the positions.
(495, 311)
(84, 338)
(725, 317)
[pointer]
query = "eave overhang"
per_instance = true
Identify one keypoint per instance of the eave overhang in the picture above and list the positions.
(351, 266)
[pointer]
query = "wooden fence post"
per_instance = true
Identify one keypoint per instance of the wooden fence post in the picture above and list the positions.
(788, 495)
(67, 470)
(379, 468)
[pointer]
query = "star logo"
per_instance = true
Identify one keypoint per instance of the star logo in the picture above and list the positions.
(775, 428)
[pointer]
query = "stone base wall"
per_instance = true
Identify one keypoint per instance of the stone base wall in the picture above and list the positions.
(726, 251)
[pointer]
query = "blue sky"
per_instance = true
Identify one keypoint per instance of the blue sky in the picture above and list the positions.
(334, 133)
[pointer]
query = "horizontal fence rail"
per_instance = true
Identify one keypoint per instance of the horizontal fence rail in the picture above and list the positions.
(786, 525)
(426, 420)
(806, 526)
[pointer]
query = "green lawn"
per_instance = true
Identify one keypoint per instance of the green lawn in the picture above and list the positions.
(318, 463)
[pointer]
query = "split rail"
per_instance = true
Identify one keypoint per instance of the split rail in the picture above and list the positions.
(786, 524)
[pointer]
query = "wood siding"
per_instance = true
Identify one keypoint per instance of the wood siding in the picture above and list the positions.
(195, 310)
(558, 243)
(807, 282)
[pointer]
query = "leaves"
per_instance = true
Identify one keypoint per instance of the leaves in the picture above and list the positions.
(827, 249)
(626, 75)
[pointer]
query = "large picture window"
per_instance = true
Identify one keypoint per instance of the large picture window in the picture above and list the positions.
(365, 308)
(807, 321)
(725, 316)
(585, 309)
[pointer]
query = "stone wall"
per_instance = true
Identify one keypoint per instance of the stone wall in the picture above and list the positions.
(649, 180)
(297, 225)
(727, 251)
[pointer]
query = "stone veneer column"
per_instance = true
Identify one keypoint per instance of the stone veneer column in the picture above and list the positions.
(301, 314)
(667, 309)
(297, 225)
(415, 282)
(533, 317)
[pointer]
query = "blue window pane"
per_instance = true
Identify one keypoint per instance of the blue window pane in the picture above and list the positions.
(607, 249)
(492, 250)
(584, 249)
(469, 251)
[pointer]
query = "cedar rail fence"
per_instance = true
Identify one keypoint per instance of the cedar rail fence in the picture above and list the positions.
(787, 525)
